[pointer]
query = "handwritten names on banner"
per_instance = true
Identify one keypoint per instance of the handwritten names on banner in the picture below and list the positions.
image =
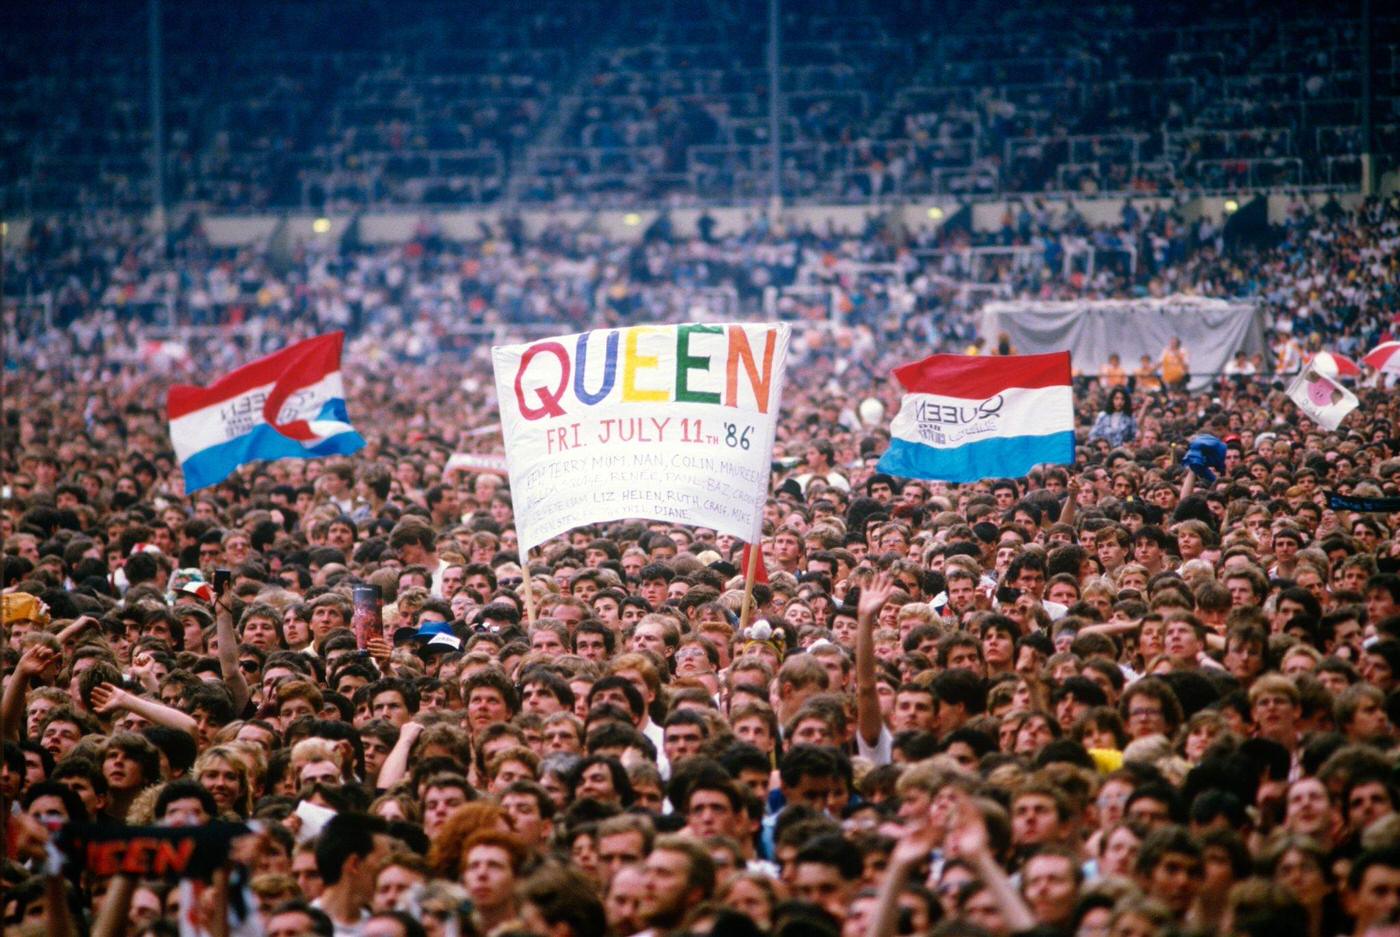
(670, 422)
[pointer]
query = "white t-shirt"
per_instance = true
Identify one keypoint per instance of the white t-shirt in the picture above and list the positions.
(882, 752)
(344, 930)
(437, 578)
(657, 734)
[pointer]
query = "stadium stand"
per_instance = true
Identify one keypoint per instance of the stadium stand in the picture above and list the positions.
(319, 105)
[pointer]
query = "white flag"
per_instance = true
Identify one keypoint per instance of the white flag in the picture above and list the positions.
(1321, 398)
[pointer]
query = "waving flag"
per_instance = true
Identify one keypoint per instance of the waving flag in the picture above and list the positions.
(1321, 398)
(967, 418)
(289, 405)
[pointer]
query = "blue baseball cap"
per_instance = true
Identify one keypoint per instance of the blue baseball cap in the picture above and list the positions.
(424, 632)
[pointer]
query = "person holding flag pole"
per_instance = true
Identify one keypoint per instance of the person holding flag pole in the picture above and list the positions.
(753, 573)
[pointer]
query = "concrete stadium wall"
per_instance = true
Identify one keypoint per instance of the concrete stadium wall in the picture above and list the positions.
(623, 226)
(387, 229)
(238, 230)
(987, 216)
(15, 231)
(302, 228)
(399, 227)
(1278, 204)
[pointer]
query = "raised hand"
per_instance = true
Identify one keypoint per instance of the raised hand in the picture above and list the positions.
(631, 757)
(874, 596)
(967, 829)
(77, 627)
(917, 842)
(379, 649)
(247, 849)
(34, 661)
(143, 668)
(107, 699)
(27, 838)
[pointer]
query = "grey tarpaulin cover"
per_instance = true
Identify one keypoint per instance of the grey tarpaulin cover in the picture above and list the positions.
(1211, 330)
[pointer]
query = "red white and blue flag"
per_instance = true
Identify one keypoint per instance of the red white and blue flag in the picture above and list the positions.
(289, 405)
(966, 418)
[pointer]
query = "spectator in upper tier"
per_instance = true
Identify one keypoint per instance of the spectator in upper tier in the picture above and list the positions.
(1176, 364)
(1113, 374)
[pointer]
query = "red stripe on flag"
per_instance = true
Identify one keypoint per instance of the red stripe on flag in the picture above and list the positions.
(977, 377)
(310, 362)
(306, 362)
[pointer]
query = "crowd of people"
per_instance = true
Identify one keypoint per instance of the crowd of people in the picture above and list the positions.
(1133, 695)
(118, 296)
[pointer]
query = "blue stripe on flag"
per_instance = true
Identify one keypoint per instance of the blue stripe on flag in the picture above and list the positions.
(263, 443)
(1001, 457)
(334, 409)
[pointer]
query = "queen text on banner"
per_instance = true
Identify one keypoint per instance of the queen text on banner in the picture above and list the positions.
(668, 422)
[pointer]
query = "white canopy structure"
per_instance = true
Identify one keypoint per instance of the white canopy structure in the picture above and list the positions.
(1211, 330)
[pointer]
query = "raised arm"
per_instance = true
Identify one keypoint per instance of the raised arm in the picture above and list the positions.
(395, 766)
(77, 627)
(1071, 505)
(1111, 628)
(31, 663)
(911, 850)
(107, 699)
(1188, 484)
(967, 838)
(228, 653)
(58, 921)
(112, 918)
(29, 842)
(872, 598)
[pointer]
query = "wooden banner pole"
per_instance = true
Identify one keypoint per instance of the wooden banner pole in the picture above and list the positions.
(529, 593)
(750, 571)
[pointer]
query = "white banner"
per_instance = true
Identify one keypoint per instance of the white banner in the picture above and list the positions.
(664, 422)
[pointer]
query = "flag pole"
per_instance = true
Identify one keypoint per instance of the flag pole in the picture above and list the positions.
(751, 567)
(750, 571)
(529, 593)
